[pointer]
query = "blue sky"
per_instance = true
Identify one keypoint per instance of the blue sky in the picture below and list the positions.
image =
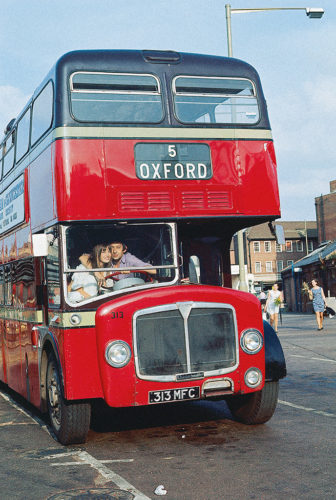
(294, 55)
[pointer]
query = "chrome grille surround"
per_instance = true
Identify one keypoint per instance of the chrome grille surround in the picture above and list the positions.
(181, 343)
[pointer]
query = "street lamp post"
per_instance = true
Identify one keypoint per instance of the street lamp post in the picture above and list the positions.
(312, 13)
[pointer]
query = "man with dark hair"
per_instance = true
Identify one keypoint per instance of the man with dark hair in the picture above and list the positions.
(121, 258)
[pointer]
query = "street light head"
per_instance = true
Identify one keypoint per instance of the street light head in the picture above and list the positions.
(314, 13)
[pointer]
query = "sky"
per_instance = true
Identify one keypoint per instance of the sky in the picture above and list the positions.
(295, 57)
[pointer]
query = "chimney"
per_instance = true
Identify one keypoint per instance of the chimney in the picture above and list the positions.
(333, 186)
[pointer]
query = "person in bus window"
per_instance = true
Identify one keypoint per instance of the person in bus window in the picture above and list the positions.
(122, 258)
(86, 284)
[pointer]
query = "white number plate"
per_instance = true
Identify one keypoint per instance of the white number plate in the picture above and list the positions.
(181, 394)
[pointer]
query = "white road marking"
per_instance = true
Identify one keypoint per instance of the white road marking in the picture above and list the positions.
(60, 455)
(310, 357)
(110, 475)
(324, 359)
(60, 464)
(85, 457)
(12, 403)
(3, 424)
(312, 410)
(33, 419)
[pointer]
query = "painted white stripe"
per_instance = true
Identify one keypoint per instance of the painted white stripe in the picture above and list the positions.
(34, 419)
(110, 475)
(312, 410)
(161, 133)
(310, 357)
(12, 403)
(60, 455)
(3, 424)
(324, 359)
(122, 460)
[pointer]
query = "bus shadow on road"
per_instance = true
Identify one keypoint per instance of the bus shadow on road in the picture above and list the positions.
(106, 419)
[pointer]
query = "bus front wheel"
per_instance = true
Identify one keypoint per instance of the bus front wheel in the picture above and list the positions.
(256, 407)
(70, 421)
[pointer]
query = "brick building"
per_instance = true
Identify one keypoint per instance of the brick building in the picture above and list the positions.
(266, 259)
(325, 206)
(321, 264)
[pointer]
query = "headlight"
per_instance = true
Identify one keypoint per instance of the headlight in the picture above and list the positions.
(253, 377)
(251, 341)
(118, 353)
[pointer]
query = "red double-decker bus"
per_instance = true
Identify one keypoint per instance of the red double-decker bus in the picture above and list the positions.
(123, 181)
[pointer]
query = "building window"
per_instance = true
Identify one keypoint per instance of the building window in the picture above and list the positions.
(268, 246)
(310, 246)
(299, 246)
(269, 267)
(279, 266)
(289, 246)
(289, 262)
(256, 246)
(278, 247)
(257, 266)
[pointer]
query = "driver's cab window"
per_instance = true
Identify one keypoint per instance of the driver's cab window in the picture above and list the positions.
(108, 258)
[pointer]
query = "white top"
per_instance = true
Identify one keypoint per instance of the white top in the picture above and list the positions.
(85, 280)
(271, 306)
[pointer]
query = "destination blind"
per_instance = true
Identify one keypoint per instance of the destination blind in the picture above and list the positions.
(172, 161)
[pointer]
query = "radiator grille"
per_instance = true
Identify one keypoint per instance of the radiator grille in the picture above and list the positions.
(169, 344)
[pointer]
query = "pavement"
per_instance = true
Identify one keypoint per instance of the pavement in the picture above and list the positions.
(301, 329)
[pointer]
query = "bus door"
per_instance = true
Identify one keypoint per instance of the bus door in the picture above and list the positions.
(210, 254)
(52, 290)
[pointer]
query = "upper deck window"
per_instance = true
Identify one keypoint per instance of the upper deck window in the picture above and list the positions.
(115, 98)
(42, 113)
(8, 153)
(22, 137)
(215, 100)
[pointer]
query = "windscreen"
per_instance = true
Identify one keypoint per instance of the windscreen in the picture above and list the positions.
(215, 100)
(115, 98)
(107, 258)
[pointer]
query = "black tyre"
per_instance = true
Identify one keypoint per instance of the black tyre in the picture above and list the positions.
(256, 407)
(70, 421)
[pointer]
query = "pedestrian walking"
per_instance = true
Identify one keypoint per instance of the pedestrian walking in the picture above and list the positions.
(316, 294)
(262, 297)
(273, 303)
